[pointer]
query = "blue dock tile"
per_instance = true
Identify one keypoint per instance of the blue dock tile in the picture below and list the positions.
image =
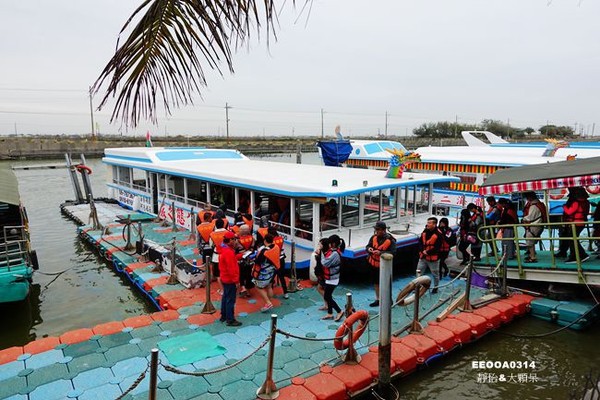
(189, 387)
(17, 397)
(141, 388)
(302, 366)
(175, 325)
(12, 386)
(254, 365)
(297, 318)
(228, 339)
(145, 345)
(92, 378)
(85, 363)
(164, 375)
(210, 363)
(324, 355)
(11, 369)
(308, 347)
(132, 366)
(46, 358)
(239, 390)
(246, 333)
(123, 352)
(279, 375)
(101, 393)
(208, 396)
(285, 355)
(239, 351)
(161, 394)
(49, 373)
(51, 391)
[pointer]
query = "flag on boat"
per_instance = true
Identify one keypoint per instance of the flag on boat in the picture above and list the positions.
(148, 139)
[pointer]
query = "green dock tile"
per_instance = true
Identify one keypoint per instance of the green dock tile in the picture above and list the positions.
(148, 344)
(116, 339)
(280, 376)
(254, 364)
(123, 352)
(46, 374)
(81, 349)
(303, 367)
(145, 331)
(240, 390)
(12, 386)
(286, 354)
(225, 378)
(324, 355)
(161, 394)
(308, 347)
(208, 396)
(189, 387)
(87, 362)
(175, 325)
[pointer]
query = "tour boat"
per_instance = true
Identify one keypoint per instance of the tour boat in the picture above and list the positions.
(304, 202)
(17, 260)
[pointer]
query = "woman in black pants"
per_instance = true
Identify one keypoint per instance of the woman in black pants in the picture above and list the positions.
(331, 259)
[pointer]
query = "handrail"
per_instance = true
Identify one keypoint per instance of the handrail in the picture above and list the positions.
(492, 239)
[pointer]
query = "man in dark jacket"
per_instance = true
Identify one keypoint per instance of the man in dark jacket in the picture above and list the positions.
(430, 243)
(379, 243)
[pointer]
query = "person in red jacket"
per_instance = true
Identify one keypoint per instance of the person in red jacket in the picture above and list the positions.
(230, 278)
(576, 209)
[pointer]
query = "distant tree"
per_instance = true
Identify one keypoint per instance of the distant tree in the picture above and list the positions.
(556, 131)
(529, 130)
(497, 127)
(442, 129)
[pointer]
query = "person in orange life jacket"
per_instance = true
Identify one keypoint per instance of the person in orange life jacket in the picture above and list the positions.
(267, 262)
(280, 273)
(331, 260)
(230, 278)
(262, 231)
(379, 243)
(244, 249)
(206, 211)
(220, 214)
(508, 216)
(448, 240)
(577, 211)
(242, 218)
(216, 240)
(534, 212)
(430, 244)
(596, 231)
(204, 229)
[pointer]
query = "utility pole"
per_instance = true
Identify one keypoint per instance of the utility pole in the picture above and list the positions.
(92, 114)
(322, 130)
(456, 126)
(508, 127)
(227, 107)
(386, 124)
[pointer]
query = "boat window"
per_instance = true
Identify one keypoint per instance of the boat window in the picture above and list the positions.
(350, 210)
(329, 214)
(372, 148)
(139, 179)
(175, 188)
(124, 176)
(389, 199)
(197, 192)
(386, 145)
(220, 194)
(304, 219)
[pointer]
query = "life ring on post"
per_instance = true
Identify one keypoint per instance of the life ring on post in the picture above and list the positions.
(557, 196)
(403, 298)
(341, 342)
(83, 167)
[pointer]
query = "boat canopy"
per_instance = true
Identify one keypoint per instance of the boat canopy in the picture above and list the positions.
(229, 167)
(9, 186)
(557, 175)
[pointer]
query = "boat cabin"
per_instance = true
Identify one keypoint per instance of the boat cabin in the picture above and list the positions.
(304, 202)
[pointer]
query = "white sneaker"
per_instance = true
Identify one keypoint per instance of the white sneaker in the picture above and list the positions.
(286, 296)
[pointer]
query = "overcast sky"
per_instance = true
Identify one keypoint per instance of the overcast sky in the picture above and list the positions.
(523, 61)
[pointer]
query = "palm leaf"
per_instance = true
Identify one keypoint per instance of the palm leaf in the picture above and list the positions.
(167, 52)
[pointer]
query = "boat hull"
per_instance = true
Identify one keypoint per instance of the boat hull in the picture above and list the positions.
(15, 284)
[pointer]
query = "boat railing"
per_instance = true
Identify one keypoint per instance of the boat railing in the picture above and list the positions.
(14, 246)
(489, 235)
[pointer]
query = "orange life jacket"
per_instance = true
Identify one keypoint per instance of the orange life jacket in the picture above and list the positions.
(202, 214)
(375, 259)
(246, 241)
(273, 255)
(248, 221)
(429, 245)
(205, 229)
(262, 232)
(217, 239)
(278, 241)
(445, 246)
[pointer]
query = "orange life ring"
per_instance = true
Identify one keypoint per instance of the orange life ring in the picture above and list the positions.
(343, 344)
(403, 298)
(83, 167)
(593, 189)
(558, 196)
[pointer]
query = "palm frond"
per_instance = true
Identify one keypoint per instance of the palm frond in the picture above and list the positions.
(167, 52)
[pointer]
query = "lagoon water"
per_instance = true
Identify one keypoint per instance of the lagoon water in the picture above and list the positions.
(89, 292)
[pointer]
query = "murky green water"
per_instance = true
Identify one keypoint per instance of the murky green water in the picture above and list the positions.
(89, 293)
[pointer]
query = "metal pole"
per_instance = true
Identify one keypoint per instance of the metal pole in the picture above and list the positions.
(416, 326)
(128, 245)
(208, 308)
(268, 390)
(293, 283)
(92, 114)
(172, 278)
(174, 229)
(322, 130)
(153, 374)
(385, 326)
(351, 357)
(467, 304)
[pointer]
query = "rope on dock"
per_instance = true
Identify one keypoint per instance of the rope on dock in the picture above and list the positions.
(135, 383)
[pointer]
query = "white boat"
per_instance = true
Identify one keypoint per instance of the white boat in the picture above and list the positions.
(293, 196)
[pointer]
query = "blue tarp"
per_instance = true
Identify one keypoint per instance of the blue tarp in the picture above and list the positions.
(335, 152)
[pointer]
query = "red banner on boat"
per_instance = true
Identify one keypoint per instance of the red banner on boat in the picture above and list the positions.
(544, 184)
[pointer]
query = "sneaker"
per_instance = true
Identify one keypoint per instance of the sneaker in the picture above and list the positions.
(235, 322)
(266, 308)
(219, 292)
(571, 261)
(434, 291)
(374, 304)
(476, 259)
(560, 255)
(286, 296)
